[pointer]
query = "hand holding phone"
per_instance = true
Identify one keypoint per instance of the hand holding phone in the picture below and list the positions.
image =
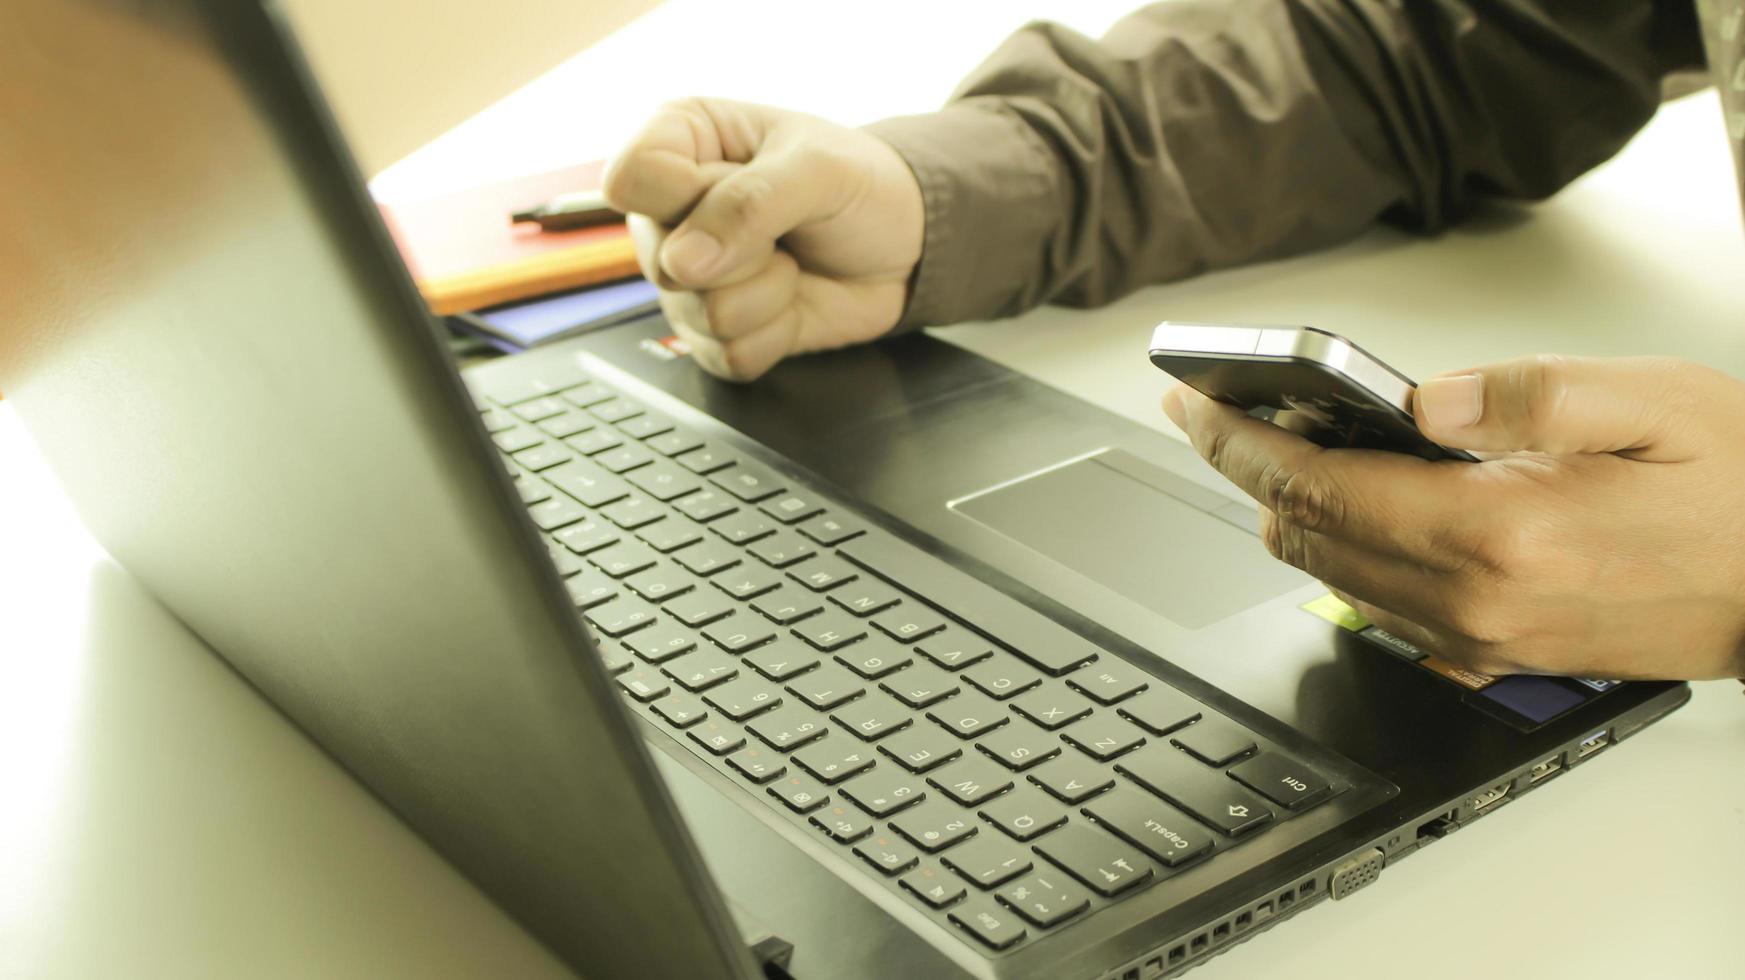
(1311, 381)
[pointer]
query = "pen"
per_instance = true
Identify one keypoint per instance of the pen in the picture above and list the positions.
(581, 209)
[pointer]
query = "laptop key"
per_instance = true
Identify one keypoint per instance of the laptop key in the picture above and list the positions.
(955, 648)
(750, 482)
(664, 481)
(740, 699)
(826, 687)
(872, 717)
(661, 643)
(788, 727)
(971, 779)
(1108, 681)
(592, 441)
(555, 513)
(788, 604)
(706, 459)
(831, 528)
(542, 457)
(590, 588)
(934, 825)
(1024, 813)
(969, 714)
(758, 765)
(1283, 780)
(909, 622)
(625, 458)
(620, 616)
(1104, 736)
(920, 685)
(705, 505)
(616, 660)
(633, 512)
(1214, 798)
(643, 684)
(590, 485)
(1071, 779)
(680, 710)
(675, 442)
(744, 527)
(566, 563)
(624, 559)
(701, 669)
(707, 557)
(570, 422)
(988, 862)
(888, 854)
(1161, 710)
(1108, 865)
(698, 607)
(933, 886)
(589, 535)
(874, 657)
(782, 659)
(790, 508)
(661, 582)
(496, 420)
(1151, 825)
(993, 925)
(782, 549)
(921, 748)
(645, 425)
(843, 823)
(539, 408)
(830, 630)
(739, 632)
(516, 439)
(717, 737)
(835, 759)
(799, 792)
(1045, 899)
(866, 596)
(587, 393)
(671, 534)
(1052, 706)
(532, 490)
(823, 573)
(884, 790)
(1019, 745)
(1002, 677)
(1214, 740)
(747, 582)
(614, 410)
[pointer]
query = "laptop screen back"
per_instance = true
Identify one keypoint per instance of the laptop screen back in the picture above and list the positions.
(211, 340)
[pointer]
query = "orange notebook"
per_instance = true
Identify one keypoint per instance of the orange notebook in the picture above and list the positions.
(466, 255)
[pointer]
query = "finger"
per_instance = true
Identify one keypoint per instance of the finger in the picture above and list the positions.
(737, 310)
(1564, 406)
(1394, 583)
(661, 173)
(1392, 503)
(744, 358)
(648, 235)
(733, 229)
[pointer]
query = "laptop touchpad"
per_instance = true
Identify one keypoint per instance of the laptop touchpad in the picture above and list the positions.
(1176, 548)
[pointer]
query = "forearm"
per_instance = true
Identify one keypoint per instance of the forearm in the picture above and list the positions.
(1197, 135)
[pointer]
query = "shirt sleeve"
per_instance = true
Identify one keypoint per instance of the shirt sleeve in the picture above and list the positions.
(1200, 134)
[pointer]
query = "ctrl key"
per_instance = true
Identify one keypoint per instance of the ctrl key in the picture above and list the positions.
(991, 924)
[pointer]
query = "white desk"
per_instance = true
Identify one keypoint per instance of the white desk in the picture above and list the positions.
(160, 820)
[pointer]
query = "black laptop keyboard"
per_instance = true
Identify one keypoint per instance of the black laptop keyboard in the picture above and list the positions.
(987, 765)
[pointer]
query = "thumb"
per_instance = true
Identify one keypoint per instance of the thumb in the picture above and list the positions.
(731, 233)
(1558, 405)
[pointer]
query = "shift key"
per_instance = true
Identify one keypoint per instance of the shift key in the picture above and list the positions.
(1205, 793)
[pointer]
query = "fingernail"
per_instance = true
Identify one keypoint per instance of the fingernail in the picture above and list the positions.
(1173, 405)
(1452, 403)
(690, 255)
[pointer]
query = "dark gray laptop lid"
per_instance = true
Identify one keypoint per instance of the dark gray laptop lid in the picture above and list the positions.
(208, 334)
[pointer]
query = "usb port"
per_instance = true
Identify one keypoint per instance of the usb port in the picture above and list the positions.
(1593, 743)
(1489, 798)
(1548, 767)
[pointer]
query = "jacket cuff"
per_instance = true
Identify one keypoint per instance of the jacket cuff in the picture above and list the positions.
(991, 201)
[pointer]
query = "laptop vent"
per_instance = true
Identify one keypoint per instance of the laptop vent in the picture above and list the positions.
(1165, 961)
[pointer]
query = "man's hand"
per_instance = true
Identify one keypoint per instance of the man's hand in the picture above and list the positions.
(768, 232)
(1607, 539)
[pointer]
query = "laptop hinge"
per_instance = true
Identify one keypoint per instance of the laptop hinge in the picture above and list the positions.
(771, 952)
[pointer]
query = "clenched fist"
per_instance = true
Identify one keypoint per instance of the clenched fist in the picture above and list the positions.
(768, 232)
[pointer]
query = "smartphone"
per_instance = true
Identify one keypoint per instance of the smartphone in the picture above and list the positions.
(1315, 383)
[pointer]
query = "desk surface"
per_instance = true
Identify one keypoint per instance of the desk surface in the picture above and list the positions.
(161, 820)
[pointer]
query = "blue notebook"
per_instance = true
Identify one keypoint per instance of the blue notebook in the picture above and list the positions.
(518, 326)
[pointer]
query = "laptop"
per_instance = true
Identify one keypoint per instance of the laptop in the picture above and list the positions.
(897, 663)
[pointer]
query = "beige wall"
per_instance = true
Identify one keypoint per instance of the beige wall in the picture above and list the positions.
(400, 72)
